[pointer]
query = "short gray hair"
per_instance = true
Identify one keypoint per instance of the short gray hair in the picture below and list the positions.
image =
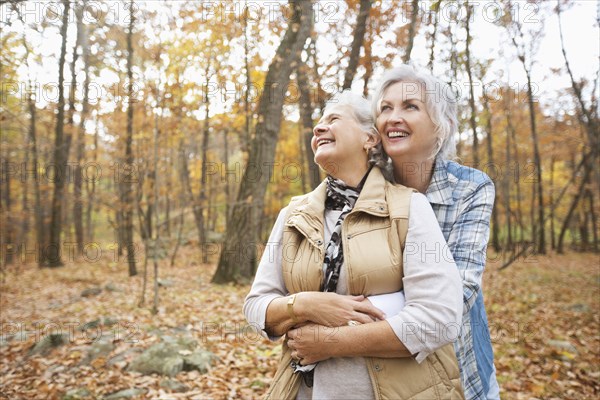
(361, 109)
(440, 102)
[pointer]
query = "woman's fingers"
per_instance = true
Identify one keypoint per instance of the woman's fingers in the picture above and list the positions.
(362, 318)
(367, 308)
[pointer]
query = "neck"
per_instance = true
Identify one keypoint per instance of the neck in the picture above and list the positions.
(350, 176)
(416, 175)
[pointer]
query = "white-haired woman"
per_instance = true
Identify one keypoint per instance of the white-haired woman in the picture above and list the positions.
(338, 258)
(416, 117)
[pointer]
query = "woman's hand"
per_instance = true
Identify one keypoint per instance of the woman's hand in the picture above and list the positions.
(308, 343)
(333, 310)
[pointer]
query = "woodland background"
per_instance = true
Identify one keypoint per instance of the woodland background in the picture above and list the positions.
(147, 148)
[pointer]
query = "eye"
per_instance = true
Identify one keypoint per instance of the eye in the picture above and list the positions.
(385, 107)
(412, 106)
(333, 118)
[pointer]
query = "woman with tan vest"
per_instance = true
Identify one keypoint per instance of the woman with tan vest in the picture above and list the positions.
(358, 277)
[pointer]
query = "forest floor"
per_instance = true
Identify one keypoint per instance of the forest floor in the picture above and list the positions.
(544, 315)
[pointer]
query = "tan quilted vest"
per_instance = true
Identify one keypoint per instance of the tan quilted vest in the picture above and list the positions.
(373, 236)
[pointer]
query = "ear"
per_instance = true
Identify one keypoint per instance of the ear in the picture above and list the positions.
(372, 141)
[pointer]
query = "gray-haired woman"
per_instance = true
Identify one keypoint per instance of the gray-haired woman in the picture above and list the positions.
(343, 255)
(416, 117)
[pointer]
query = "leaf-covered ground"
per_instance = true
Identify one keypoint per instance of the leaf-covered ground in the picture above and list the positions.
(543, 312)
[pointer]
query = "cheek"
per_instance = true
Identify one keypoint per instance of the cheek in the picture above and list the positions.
(379, 123)
(313, 144)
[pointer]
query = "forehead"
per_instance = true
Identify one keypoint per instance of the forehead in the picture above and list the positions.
(338, 109)
(405, 90)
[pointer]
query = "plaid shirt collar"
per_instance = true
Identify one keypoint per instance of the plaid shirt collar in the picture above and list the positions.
(440, 188)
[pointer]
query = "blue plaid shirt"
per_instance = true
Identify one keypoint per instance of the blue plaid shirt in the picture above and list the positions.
(462, 199)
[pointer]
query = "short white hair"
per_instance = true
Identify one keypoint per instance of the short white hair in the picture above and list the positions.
(440, 102)
(361, 109)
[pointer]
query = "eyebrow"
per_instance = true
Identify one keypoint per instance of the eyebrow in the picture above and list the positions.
(328, 117)
(405, 100)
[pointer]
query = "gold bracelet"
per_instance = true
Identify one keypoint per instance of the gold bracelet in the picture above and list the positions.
(290, 308)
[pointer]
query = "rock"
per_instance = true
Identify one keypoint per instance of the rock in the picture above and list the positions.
(106, 321)
(101, 348)
(165, 283)
(49, 342)
(90, 325)
(174, 386)
(111, 287)
(110, 321)
(124, 358)
(564, 346)
(582, 308)
(20, 336)
(125, 394)
(172, 355)
(93, 291)
(199, 360)
(77, 394)
(161, 358)
(52, 370)
(181, 342)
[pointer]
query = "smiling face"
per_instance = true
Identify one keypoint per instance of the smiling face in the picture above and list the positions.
(339, 143)
(407, 132)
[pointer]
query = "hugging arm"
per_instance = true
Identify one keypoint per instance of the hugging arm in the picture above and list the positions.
(266, 307)
(430, 319)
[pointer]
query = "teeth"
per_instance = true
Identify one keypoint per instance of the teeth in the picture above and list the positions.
(395, 134)
(325, 141)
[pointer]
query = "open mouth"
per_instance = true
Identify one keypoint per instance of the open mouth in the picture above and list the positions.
(321, 142)
(397, 134)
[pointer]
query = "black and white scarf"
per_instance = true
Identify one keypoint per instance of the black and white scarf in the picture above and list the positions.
(339, 197)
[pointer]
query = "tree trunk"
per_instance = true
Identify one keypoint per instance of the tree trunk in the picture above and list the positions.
(33, 148)
(517, 177)
(580, 192)
(306, 111)
(541, 239)
(228, 199)
(357, 41)
(552, 235)
(472, 121)
(128, 183)
(538, 229)
(246, 135)
(80, 141)
(239, 257)
(435, 9)
(61, 151)
(507, 185)
(590, 196)
(412, 30)
(490, 153)
(7, 234)
(368, 60)
(91, 190)
(203, 180)
(156, 237)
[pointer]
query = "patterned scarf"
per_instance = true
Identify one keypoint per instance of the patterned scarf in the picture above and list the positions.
(339, 197)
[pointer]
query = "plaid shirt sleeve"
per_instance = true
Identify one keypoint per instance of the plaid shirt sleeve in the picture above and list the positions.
(469, 238)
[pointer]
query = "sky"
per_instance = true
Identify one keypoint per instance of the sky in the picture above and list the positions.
(580, 29)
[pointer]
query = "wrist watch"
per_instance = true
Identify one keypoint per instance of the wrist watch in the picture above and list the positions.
(290, 307)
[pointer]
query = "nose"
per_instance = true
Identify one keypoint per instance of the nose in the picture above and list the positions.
(396, 116)
(319, 129)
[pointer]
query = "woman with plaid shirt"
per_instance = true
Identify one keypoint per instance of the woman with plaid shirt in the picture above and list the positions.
(416, 118)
